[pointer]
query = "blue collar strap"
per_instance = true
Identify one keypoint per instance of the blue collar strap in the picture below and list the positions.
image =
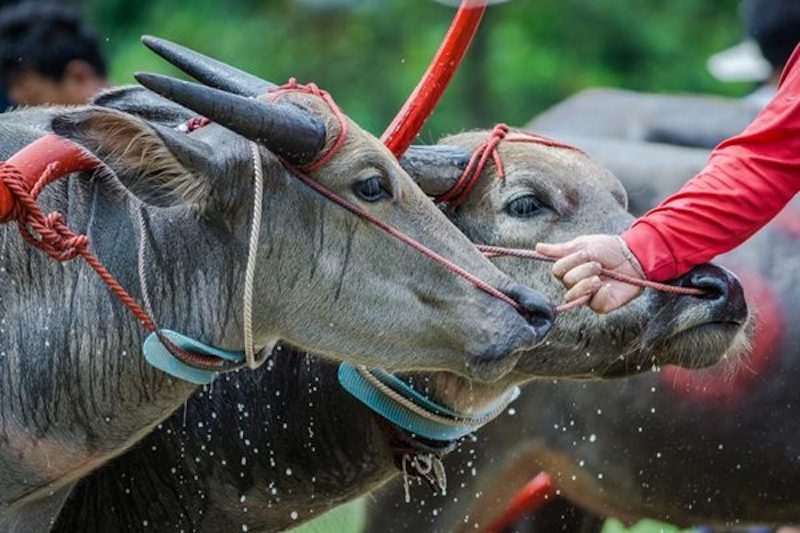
(389, 396)
(160, 357)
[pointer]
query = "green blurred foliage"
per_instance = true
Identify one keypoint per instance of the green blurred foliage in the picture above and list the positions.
(528, 54)
(643, 526)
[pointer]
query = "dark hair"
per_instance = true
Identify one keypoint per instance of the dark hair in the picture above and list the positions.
(44, 37)
(775, 26)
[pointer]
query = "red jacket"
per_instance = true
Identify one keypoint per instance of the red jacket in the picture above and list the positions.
(747, 181)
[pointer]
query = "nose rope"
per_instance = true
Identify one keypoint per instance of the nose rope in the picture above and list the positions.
(463, 187)
(499, 251)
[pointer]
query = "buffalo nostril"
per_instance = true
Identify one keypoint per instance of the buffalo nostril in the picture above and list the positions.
(713, 287)
(536, 308)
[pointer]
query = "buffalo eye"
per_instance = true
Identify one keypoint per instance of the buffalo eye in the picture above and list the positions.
(372, 189)
(524, 206)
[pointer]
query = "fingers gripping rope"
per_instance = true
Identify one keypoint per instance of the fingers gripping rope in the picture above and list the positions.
(499, 251)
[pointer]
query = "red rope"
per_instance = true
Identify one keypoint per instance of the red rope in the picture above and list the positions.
(499, 251)
(480, 158)
(302, 175)
(463, 187)
(196, 123)
(530, 498)
(51, 235)
(312, 89)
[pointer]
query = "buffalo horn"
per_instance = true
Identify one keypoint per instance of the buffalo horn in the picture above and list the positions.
(436, 168)
(207, 70)
(284, 129)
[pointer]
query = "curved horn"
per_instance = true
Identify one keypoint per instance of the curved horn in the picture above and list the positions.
(435, 168)
(286, 130)
(207, 70)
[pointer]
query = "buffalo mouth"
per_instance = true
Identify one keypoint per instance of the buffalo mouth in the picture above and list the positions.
(702, 344)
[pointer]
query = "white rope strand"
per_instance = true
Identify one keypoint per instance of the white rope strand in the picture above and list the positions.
(252, 252)
(142, 259)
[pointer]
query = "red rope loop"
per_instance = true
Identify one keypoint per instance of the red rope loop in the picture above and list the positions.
(313, 89)
(480, 158)
(195, 123)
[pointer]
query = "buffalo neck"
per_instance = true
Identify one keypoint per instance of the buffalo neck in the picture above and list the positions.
(70, 348)
(265, 449)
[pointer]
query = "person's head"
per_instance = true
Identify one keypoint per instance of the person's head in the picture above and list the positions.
(48, 55)
(775, 26)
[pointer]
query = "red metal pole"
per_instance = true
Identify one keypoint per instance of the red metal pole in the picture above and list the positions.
(420, 104)
(532, 497)
(32, 161)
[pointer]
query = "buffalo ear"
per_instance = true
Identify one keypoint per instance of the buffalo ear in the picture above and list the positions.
(160, 165)
(435, 168)
(147, 105)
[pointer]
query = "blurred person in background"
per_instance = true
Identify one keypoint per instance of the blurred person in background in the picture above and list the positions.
(49, 55)
(773, 29)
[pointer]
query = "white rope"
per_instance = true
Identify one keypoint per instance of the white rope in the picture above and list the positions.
(142, 259)
(250, 269)
(252, 252)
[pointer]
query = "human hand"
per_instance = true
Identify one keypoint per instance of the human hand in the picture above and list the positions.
(580, 262)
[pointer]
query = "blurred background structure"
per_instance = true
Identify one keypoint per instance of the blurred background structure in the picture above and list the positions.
(369, 53)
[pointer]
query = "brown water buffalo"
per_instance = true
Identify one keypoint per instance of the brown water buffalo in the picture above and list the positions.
(263, 451)
(716, 447)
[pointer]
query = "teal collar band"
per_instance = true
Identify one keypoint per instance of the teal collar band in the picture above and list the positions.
(160, 357)
(395, 400)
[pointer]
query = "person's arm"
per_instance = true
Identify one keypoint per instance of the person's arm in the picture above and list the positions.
(748, 180)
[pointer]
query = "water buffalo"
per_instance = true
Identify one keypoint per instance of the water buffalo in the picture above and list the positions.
(682, 120)
(712, 448)
(76, 390)
(266, 450)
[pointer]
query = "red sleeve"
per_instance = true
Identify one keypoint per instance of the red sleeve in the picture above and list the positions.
(748, 180)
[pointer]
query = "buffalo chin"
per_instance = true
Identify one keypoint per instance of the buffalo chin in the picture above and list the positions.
(703, 345)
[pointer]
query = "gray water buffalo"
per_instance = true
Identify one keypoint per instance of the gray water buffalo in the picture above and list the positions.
(682, 120)
(75, 389)
(717, 447)
(266, 450)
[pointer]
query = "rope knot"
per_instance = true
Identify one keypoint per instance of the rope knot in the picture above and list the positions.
(50, 233)
(314, 90)
(480, 158)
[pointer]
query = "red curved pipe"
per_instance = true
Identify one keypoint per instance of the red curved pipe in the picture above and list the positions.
(32, 161)
(420, 104)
